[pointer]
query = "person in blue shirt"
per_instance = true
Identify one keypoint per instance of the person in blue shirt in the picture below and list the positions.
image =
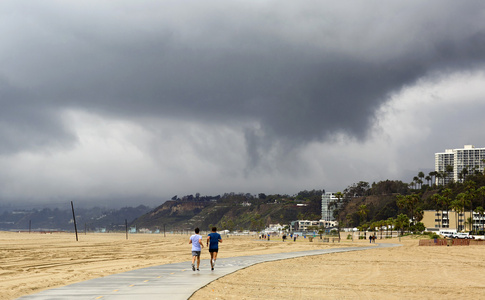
(213, 241)
(196, 241)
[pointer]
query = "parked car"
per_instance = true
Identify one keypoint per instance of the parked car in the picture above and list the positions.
(447, 233)
(462, 235)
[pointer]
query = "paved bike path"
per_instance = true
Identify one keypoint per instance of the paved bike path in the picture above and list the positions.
(171, 281)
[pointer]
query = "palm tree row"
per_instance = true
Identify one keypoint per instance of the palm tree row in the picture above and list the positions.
(439, 178)
(434, 178)
(455, 197)
(411, 209)
(460, 203)
(400, 223)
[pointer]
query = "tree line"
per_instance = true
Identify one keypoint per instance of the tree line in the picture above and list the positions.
(401, 205)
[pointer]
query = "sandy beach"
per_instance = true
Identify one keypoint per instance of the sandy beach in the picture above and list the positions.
(407, 272)
(34, 262)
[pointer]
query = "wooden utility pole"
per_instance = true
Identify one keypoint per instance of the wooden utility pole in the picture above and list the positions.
(126, 227)
(74, 219)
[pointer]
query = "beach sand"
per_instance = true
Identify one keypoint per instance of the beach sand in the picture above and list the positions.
(407, 272)
(33, 262)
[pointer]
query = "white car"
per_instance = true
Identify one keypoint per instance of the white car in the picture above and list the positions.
(448, 234)
(462, 235)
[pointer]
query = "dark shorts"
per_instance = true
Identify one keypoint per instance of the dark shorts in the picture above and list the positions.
(196, 253)
(214, 250)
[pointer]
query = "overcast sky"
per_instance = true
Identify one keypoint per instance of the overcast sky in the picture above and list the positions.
(137, 101)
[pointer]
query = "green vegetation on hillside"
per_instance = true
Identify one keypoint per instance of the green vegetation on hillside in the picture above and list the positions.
(369, 207)
(233, 211)
(360, 205)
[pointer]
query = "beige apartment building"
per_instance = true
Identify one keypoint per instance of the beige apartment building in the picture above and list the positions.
(435, 220)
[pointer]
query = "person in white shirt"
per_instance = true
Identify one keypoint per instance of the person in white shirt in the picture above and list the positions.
(196, 241)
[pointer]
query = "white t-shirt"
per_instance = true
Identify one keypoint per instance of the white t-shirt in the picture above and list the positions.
(195, 242)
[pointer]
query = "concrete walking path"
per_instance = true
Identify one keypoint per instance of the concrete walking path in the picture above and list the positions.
(171, 281)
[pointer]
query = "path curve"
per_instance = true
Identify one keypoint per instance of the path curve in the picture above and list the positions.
(170, 281)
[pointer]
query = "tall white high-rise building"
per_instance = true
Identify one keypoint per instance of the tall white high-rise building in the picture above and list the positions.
(327, 214)
(469, 158)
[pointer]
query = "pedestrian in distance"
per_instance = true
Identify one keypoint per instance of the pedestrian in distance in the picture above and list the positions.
(213, 240)
(196, 241)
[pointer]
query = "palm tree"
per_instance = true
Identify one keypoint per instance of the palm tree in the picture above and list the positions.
(409, 202)
(402, 222)
(431, 174)
(469, 222)
(420, 182)
(456, 205)
(438, 176)
(437, 199)
(448, 170)
(481, 193)
(428, 179)
(348, 218)
(389, 223)
(465, 200)
(446, 201)
(444, 177)
(421, 177)
(412, 202)
(365, 227)
(480, 210)
(401, 201)
(415, 181)
(373, 226)
(464, 173)
(471, 194)
(381, 223)
(363, 210)
(360, 228)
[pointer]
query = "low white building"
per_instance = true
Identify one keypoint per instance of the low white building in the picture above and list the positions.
(274, 228)
(303, 225)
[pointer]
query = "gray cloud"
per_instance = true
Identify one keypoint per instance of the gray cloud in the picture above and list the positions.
(303, 71)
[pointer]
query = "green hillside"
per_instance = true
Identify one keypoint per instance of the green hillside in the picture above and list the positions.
(232, 211)
(361, 204)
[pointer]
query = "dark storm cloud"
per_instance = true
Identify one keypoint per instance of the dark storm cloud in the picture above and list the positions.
(302, 71)
(28, 124)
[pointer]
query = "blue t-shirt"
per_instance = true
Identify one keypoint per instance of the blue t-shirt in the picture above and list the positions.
(195, 242)
(214, 240)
